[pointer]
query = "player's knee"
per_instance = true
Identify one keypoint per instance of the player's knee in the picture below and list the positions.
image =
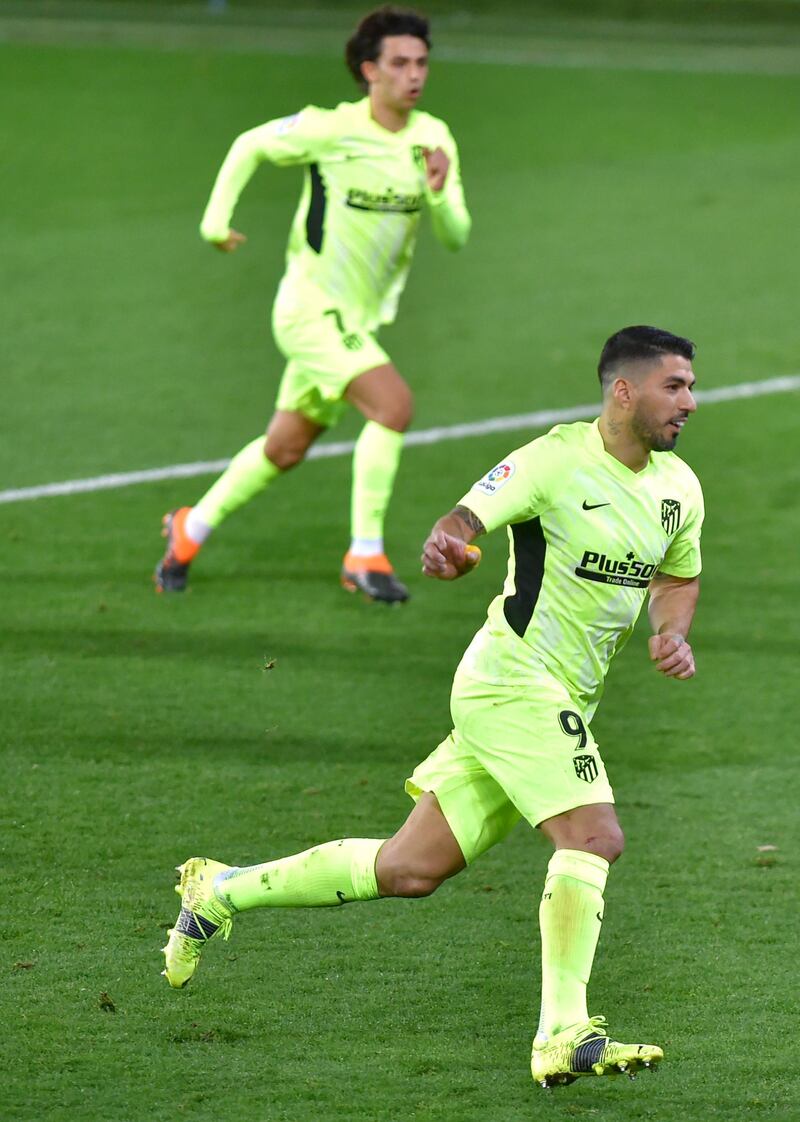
(399, 876)
(284, 456)
(587, 828)
(414, 886)
(608, 844)
(398, 413)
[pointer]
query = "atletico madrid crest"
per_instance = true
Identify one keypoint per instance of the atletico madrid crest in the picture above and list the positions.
(585, 768)
(670, 515)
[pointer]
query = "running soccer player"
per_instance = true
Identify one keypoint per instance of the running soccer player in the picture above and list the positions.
(371, 167)
(598, 515)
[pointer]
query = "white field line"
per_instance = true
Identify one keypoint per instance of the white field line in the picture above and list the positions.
(543, 418)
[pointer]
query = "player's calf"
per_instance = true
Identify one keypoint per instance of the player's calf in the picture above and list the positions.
(422, 854)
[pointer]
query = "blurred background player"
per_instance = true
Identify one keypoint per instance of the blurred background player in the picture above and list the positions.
(371, 167)
(599, 516)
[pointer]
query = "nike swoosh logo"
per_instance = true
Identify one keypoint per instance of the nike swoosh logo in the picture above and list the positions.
(593, 506)
(341, 895)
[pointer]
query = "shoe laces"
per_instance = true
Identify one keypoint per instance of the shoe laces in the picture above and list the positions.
(216, 912)
(596, 1027)
(192, 946)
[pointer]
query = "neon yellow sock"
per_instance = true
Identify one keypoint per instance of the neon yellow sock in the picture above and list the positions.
(330, 874)
(570, 917)
(248, 473)
(375, 460)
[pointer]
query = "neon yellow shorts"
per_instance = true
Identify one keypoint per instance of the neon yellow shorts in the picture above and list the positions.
(325, 347)
(514, 752)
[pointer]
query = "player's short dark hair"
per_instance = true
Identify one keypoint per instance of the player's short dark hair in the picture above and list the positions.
(640, 344)
(364, 45)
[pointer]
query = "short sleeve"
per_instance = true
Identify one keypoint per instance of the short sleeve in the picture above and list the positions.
(683, 558)
(300, 138)
(522, 485)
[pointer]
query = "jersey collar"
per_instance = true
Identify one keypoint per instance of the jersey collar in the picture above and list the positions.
(364, 107)
(615, 465)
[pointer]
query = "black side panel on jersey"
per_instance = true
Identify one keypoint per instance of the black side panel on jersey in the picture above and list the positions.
(315, 219)
(529, 550)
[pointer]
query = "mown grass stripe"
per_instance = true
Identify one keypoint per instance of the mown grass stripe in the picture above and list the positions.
(514, 423)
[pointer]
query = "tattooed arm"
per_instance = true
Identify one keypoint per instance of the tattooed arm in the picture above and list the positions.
(447, 553)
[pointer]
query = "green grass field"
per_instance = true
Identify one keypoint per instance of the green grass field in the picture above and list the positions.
(138, 730)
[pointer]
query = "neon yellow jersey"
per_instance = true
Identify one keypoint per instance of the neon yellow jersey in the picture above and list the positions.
(586, 536)
(364, 189)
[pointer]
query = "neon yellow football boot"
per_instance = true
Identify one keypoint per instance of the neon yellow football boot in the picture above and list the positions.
(586, 1050)
(202, 916)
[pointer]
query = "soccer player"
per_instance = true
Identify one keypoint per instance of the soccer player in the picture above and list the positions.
(598, 516)
(371, 167)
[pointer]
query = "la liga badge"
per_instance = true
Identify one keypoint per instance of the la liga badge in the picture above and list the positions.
(286, 124)
(496, 478)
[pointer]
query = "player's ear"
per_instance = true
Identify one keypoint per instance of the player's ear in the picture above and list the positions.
(369, 71)
(622, 392)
